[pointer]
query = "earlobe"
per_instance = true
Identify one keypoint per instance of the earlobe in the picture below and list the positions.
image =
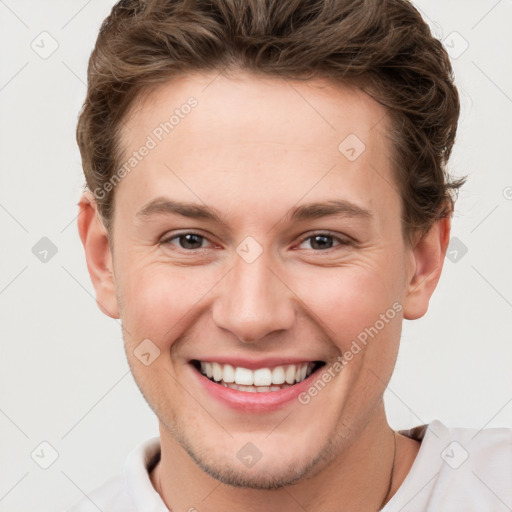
(98, 254)
(428, 259)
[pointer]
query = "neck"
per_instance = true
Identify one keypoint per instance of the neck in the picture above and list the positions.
(363, 476)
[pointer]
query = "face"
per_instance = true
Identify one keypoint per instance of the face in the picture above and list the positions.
(257, 240)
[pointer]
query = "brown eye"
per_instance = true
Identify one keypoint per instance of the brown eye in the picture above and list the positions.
(319, 242)
(189, 241)
(323, 241)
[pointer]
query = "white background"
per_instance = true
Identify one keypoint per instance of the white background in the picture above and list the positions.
(64, 376)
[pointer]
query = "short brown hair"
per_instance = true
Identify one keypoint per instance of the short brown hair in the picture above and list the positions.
(382, 46)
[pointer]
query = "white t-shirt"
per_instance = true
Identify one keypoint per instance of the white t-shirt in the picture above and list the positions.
(456, 469)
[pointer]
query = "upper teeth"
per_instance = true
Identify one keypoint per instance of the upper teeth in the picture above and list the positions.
(290, 373)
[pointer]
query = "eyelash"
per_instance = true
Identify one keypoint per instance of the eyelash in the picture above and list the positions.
(341, 241)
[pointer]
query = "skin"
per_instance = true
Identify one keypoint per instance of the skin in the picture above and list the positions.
(255, 148)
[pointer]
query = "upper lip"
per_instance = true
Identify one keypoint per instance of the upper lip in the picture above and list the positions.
(253, 364)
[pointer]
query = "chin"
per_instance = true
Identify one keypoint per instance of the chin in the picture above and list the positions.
(264, 477)
(269, 472)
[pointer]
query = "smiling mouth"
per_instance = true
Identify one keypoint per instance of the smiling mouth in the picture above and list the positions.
(260, 380)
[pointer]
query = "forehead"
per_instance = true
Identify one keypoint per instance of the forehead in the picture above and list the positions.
(270, 109)
(250, 134)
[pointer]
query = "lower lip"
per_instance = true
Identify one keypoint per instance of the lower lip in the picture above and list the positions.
(254, 402)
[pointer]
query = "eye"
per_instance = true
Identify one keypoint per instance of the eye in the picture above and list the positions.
(187, 241)
(324, 241)
(318, 242)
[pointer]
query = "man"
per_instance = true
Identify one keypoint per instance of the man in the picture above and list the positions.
(267, 201)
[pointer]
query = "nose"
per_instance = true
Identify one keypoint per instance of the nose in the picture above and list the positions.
(253, 301)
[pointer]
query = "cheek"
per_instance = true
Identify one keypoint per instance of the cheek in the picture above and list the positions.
(158, 300)
(347, 300)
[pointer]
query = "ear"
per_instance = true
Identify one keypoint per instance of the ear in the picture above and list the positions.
(97, 254)
(428, 258)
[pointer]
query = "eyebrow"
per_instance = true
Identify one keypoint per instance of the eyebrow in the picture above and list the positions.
(309, 211)
(339, 207)
(165, 206)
